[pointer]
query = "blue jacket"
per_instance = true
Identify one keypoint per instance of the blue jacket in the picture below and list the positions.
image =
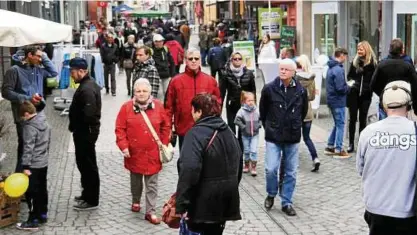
(216, 58)
(22, 81)
(336, 87)
(406, 58)
(282, 111)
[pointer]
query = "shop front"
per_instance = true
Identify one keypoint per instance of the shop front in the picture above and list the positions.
(405, 26)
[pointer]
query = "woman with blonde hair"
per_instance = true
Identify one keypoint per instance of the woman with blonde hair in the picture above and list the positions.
(360, 95)
(306, 79)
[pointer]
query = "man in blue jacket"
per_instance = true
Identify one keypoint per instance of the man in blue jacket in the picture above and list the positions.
(337, 90)
(283, 107)
(24, 81)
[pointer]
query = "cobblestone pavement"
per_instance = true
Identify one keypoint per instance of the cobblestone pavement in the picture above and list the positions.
(328, 202)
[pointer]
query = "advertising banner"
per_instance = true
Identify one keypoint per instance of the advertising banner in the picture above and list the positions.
(265, 20)
(247, 50)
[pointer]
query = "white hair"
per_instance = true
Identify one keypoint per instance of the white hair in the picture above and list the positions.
(192, 51)
(142, 81)
(288, 63)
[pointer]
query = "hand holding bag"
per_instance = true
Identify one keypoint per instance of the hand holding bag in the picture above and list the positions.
(166, 153)
(128, 63)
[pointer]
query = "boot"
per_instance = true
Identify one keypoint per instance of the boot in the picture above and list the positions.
(253, 169)
(246, 167)
(351, 148)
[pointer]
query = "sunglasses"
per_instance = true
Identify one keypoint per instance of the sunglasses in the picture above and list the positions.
(237, 59)
(193, 58)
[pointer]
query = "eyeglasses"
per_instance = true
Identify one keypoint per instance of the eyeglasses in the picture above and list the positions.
(193, 58)
(140, 54)
(237, 59)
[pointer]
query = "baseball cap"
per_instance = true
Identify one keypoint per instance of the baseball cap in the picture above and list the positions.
(158, 37)
(78, 63)
(396, 94)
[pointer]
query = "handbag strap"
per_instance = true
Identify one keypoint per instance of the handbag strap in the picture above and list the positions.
(211, 140)
(149, 124)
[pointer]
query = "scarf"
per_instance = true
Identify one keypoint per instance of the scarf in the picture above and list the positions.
(238, 72)
(137, 107)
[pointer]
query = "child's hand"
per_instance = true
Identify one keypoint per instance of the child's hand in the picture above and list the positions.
(27, 172)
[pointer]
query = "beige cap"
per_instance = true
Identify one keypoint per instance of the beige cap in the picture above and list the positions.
(396, 94)
(158, 37)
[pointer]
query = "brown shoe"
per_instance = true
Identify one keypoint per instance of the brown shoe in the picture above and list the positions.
(329, 151)
(253, 169)
(341, 155)
(153, 219)
(246, 167)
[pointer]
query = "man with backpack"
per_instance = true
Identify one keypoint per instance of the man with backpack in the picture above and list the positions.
(164, 63)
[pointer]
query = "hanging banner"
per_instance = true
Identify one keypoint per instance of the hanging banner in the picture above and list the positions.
(247, 50)
(275, 20)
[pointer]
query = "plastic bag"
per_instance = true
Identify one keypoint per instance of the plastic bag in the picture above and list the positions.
(184, 229)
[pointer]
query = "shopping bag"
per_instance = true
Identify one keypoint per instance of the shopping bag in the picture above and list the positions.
(184, 229)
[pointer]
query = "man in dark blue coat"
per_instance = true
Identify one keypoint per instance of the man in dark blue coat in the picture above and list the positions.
(337, 90)
(283, 107)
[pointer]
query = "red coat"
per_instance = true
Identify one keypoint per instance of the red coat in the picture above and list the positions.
(132, 133)
(176, 50)
(181, 91)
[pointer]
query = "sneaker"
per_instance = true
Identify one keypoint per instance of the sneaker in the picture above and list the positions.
(153, 219)
(329, 151)
(28, 225)
(316, 165)
(253, 169)
(84, 206)
(113, 94)
(289, 210)
(341, 155)
(78, 198)
(43, 219)
(351, 148)
(246, 167)
(269, 202)
(135, 207)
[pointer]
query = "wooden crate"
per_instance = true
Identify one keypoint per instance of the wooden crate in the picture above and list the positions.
(6, 200)
(9, 215)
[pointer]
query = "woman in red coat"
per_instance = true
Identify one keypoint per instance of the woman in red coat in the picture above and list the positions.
(139, 148)
(176, 50)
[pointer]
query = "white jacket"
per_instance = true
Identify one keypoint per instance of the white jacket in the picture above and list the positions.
(268, 51)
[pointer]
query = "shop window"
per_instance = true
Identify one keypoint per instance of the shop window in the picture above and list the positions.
(407, 31)
(325, 33)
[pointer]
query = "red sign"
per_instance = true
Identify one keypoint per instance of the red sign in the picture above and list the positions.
(102, 4)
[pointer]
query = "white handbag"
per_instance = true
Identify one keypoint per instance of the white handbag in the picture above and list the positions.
(166, 153)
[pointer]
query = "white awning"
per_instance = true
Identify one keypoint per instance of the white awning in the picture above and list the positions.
(20, 30)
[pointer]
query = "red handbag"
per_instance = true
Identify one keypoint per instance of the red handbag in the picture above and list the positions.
(168, 213)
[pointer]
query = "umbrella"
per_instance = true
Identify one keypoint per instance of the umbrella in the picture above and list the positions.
(122, 8)
(147, 13)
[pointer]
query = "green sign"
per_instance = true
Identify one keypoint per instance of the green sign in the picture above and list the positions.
(288, 34)
(248, 53)
(273, 20)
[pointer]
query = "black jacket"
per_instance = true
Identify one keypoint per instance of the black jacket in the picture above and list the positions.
(234, 86)
(216, 57)
(362, 75)
(394, 69)
(128, 51)
(109, 54)
(208, 184)
(85, 109)
(163, 62)
(282, 111)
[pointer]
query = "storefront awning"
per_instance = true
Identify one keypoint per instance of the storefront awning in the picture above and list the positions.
(147, 13)
(18, 30)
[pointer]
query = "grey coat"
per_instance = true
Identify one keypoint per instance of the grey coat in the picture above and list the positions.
(248, 121)
(36, 140)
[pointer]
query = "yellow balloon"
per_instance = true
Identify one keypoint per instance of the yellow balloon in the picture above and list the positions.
(16, 184)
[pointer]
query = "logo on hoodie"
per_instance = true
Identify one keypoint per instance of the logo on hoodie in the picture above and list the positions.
(384, 140)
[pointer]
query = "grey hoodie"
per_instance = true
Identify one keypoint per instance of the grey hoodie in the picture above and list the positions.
(248, 120)
(386, 160)
(36, 140)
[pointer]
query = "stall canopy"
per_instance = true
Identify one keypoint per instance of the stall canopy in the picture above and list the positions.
(122, 8)
(149, 13)
(20, 30)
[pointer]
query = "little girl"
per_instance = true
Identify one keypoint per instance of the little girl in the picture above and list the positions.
(247, 119)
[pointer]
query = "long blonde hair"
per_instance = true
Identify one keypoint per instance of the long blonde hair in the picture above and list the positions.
(304, 63)
(369, 54)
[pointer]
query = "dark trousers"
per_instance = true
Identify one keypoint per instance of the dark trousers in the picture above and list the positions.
(37, 193)
(19, 131)
(177, 69)
(203, 56)
(207, 229)
(384, 225)
(307, 140)
(231, 111)
(85, 156)
(129, 80)
(180, 142)
(214, 72)
(361, 105)
(110, 70)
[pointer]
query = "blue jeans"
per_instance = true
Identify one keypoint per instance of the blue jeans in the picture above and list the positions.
(336, 137)
(307, 140)
(203, 56)
(250, 147)
(272, 165)
(381, 113)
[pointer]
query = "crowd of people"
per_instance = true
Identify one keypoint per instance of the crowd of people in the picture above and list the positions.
(164, 104)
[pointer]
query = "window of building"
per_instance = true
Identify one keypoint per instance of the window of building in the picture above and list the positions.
(325, 33)
(407, 31)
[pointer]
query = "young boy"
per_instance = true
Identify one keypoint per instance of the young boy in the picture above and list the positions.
(36, 139)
